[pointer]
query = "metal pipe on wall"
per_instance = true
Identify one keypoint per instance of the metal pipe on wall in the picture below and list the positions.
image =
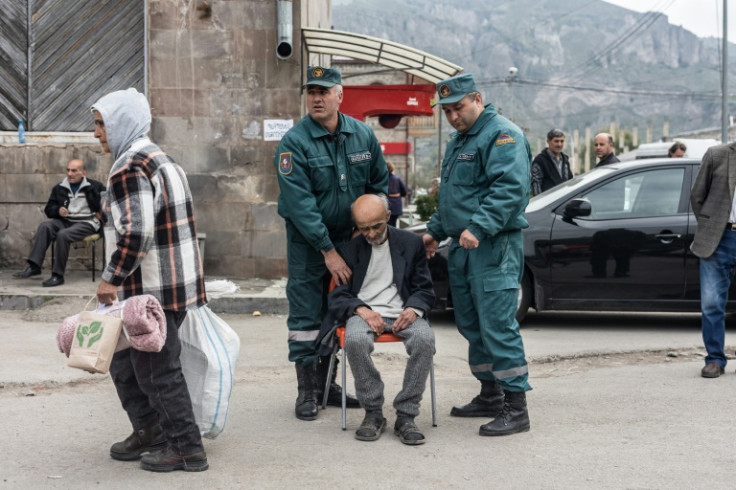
(284, 46)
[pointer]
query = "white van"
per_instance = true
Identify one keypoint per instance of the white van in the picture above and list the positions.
(695, 148)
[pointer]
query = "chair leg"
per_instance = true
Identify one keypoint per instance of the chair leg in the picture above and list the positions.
(328, 382)
(102, 254)
(94, 246)
(344, 388)
(434, 398)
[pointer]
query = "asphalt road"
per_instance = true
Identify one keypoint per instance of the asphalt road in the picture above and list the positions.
(617, 403)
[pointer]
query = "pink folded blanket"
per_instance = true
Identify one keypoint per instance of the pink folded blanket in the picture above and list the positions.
(145, 323)
(143, 320)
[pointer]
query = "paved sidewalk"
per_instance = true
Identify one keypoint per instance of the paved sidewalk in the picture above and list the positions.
(265, 296)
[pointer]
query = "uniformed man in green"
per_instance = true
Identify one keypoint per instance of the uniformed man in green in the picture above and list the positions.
(483, 193)
(325, 162)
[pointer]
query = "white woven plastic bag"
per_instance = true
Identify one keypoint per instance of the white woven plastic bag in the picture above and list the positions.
(209, 351)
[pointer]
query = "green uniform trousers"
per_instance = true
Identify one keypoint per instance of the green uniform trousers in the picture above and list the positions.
(484, 283)
(306, 291)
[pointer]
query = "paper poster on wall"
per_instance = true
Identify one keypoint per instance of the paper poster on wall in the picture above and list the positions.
(275, 129)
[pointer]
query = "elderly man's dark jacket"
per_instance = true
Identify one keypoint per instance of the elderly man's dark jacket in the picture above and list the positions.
(410, 271)
(59, 197)
(610, 158)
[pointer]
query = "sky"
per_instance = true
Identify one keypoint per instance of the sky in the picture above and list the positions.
(702, 17)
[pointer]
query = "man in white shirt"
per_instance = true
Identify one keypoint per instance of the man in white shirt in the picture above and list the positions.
(390, 291)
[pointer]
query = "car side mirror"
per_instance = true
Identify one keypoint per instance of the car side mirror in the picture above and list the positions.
(577, 208)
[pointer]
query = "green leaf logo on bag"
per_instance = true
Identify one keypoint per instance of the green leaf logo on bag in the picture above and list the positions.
(91, 332)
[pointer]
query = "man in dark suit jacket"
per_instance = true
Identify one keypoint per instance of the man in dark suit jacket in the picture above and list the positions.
(390, 291)
(712, 199)
(551, 166)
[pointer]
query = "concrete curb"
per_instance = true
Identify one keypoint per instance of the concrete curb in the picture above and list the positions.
(265, 296)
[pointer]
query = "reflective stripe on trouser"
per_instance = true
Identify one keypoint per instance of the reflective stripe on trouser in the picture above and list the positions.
(484, 284)
(418, 339)
(306, 291)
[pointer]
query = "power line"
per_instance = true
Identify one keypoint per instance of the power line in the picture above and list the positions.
(585, 68)
(564, 86)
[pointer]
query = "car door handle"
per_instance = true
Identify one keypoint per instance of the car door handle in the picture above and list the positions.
(668, 237)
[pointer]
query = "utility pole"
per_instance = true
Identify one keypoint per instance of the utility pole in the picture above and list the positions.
(724, 77)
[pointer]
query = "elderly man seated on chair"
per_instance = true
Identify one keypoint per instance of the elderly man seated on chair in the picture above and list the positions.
(390, 292)
(74, 212)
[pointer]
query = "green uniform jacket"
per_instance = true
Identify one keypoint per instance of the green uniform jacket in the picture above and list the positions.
(321, 174)
(485, 180)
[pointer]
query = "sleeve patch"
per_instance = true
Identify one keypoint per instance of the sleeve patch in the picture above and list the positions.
(505, 139)
(285, 164)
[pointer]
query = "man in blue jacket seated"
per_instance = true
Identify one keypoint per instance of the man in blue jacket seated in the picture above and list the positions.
(390, 291)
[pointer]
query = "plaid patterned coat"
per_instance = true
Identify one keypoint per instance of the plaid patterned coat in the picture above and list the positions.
(150, 235)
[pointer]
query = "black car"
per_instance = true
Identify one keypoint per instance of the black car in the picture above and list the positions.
(615, 238)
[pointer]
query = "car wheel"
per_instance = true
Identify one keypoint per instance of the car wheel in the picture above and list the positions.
(525, 297)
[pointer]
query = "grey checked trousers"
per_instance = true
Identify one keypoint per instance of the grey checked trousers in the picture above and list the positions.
(418, 340)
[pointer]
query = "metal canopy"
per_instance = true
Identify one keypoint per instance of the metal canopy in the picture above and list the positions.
(379, 51)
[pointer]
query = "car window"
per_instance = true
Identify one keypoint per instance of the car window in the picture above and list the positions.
(644, 194)
(549, 196)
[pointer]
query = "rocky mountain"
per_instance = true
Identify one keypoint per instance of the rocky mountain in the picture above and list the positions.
(581, 63)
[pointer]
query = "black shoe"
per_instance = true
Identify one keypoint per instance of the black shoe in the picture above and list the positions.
(478, 407)
(30, 270)
(334, 396)
(513, 419)
(488, 404)
(167, 460)
(305, 407)
(54, 281)
(141, 441)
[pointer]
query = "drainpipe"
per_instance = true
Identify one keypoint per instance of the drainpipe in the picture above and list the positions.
(284, 48)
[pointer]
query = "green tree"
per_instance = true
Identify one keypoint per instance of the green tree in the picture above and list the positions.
(427, 205)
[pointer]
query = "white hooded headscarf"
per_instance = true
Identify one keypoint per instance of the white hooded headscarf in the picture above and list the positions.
(127, 118)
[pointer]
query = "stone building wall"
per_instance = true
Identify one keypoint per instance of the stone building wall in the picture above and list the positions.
(213, 78)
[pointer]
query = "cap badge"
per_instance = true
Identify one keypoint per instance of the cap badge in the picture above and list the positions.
(444, 90)
(318, 72)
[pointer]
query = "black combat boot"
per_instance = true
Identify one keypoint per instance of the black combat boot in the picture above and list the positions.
(334, 396)
(488, 404)
(306, 402)
(514, 417)
(148, 439)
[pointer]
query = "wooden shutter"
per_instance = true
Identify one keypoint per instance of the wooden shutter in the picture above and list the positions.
(13, 62)
(80, 50)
